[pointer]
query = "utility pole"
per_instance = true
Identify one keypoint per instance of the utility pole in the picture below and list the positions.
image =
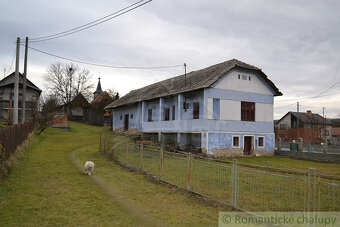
(16, 85)
(185, 74)
(298, 106)
(4, 72)
(23, 105)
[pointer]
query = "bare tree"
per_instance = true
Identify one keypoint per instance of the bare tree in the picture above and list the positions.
(114, 94)
(47, 113)
(65, 81)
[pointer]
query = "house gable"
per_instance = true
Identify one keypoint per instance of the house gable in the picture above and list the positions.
(244, 80)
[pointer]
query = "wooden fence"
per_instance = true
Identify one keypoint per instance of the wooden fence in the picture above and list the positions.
(309, 135)
(13, 136)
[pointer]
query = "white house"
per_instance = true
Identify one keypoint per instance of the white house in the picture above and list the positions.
(225, 108)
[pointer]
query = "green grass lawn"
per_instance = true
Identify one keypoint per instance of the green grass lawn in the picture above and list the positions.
(48, 187)
(292, 164)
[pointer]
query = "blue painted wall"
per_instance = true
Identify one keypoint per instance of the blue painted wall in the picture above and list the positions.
(119, 117)
(239, 96)
(225, 140)
(191, 98)
(199, 125)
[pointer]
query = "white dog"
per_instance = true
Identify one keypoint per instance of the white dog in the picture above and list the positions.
(88, 167)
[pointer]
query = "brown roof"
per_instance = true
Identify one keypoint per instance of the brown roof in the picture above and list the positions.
(195, 80)
(103, 96)
(79, 101)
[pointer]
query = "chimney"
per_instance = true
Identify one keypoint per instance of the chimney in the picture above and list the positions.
(309, 113)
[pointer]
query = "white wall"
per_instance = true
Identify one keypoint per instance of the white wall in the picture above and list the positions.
(231, 82)
(230, 110)
(264, 112)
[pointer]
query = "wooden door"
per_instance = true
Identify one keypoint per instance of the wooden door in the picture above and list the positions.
(247, 145)
(126, 122)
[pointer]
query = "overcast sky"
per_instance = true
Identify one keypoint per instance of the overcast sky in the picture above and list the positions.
(296, 43)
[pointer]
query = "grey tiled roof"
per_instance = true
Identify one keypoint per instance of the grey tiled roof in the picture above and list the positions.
(9, 80)
(313, 119)
(194, 80)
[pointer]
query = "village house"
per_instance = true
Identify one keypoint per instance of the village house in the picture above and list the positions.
(320, 127)
(335, 136)
(74, 109)
(94, 112)
(7, 97)
(223, 109)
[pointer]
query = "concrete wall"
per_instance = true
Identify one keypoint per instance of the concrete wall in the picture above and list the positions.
(311, 156)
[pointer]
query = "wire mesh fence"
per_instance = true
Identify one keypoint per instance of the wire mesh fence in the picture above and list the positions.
(249, 188)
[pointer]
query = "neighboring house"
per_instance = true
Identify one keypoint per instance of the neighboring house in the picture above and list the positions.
(308, 120)
(94, 112)
(335, 136)
(74, 109)
(7, 97)
(225, 108)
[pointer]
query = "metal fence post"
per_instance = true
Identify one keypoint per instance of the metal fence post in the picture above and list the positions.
(234, 184)
(141, 155)
(311, 196)
(189, 176)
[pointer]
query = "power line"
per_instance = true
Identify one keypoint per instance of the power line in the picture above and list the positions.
(60, 33)
(91, 24)
(328, 89)
(12, 61)
(308, 100)
(104, 65)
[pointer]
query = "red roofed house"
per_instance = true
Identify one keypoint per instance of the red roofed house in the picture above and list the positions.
(94, 112)
(335, 135)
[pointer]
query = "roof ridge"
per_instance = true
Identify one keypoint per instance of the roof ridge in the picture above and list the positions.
(198, 79)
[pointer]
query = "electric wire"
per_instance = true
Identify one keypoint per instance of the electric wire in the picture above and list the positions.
(91, 24)
(305, 100)
(12, 61)
(104, 65)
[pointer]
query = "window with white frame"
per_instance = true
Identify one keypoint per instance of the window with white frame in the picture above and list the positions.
(260, 141)
(236, 141)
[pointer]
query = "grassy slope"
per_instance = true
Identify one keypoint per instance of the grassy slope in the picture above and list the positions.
(47, 188)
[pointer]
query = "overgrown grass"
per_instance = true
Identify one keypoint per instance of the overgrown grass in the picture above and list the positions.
(48, 187)
(258, 189)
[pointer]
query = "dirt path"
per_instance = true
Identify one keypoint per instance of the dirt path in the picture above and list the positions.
(128, 205)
